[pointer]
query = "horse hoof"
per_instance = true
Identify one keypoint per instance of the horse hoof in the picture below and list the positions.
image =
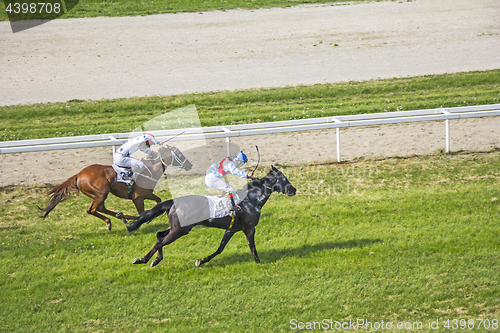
(198, 263)
(154, 263)
(109, 227)
(124, 221)
(136, 261)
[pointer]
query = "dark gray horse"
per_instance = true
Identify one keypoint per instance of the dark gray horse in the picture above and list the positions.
(184, 214)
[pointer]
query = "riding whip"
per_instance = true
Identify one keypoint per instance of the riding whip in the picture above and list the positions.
(258, 161)
(173, 137)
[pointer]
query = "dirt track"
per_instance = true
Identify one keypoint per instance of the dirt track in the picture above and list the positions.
(181, 53)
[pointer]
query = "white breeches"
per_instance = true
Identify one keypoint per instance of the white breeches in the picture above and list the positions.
(213, 182)
(127, 162)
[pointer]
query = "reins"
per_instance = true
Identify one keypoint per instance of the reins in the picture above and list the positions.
(174, 156)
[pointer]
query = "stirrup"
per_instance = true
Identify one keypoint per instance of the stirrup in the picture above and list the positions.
(235, 208)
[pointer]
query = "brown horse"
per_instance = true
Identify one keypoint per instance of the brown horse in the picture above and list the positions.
(97, 181)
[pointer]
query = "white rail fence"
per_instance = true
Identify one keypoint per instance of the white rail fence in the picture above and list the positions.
(231, 131)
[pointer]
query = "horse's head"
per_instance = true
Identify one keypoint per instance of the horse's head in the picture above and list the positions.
(279, 183)
(172, 156)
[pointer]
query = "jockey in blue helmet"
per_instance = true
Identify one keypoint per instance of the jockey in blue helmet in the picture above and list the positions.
(217, 171)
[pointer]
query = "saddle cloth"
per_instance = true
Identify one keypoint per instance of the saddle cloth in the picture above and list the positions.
(121, 174)
(219, 206)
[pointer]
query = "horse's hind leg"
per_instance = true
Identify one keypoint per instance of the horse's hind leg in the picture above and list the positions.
(92, 210)
(163, 238)
(98, 207)
(225, 239)
(159, 238)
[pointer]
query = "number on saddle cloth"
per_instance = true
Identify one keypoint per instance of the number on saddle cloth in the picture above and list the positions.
(219, 206)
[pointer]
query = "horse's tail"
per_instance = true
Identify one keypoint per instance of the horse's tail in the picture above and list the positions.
(148, 215)
(59, 194)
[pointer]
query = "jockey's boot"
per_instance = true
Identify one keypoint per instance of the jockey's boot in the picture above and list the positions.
(234, 207)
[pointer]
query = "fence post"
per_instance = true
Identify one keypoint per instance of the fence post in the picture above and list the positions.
(447, 135)
(337, 121)
(228, 141)
(112, 137)
(447, 131)
(338, 144)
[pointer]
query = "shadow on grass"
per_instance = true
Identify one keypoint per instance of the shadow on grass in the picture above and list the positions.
(273, 255)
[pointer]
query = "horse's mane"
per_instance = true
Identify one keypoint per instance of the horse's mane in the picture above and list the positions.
(250, 187)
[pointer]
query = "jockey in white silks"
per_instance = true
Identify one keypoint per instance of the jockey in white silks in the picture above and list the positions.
(123, 157)
(217, 171)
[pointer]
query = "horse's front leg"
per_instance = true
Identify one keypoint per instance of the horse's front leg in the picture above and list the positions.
(139, 204)
(225, 239)
(154, 197)
(250, 233)
(118, 215)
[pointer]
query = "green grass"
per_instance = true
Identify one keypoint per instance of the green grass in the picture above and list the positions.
(250, 106)
(399, 240)
(114, 8)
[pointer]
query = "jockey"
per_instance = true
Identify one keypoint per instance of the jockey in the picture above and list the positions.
(123, 157)
(217, 171)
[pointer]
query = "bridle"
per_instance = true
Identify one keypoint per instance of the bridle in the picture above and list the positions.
(268, 190)
(174, 157)
(281, 189)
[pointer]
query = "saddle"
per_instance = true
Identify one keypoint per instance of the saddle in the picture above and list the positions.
(219, 206)
(124, 175)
